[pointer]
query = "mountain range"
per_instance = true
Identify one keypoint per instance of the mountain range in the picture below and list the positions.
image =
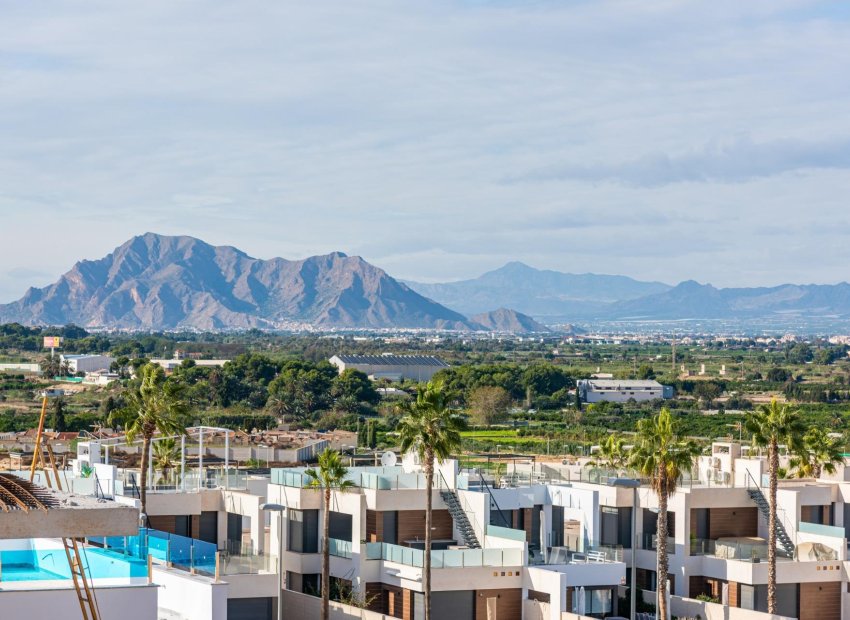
(154, 282)
(161, 282)
(540, 293)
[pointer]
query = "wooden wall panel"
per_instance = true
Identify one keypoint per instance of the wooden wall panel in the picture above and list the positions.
(393, 601)
(375, 597)
(374, 526)
(508, 607)
(820, 601)
(163, 523)
(411, 525)
(407, 605)
(725, 522)
(527, 523)
(734, 594)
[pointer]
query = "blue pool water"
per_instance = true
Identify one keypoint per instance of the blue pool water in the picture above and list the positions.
(43, 564)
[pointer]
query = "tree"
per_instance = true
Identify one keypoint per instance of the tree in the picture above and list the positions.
(355, 385)
(166, 457)
(662, 456)
(771, 425)
(59, 424)
(645, 371)
(372, 434)
(432, 431)
(153, 405)
(817, 452)
(488, 405)
(611, 454)
(329, 475)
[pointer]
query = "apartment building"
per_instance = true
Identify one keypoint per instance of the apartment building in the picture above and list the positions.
(549, 542)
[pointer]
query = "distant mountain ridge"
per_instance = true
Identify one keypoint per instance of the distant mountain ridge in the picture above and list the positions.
(161, 282)
(537, 292)
(508, 321)
(692, 300)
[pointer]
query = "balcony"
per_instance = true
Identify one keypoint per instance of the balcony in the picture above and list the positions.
(739, 549)
(339, 548)
(453, 558)
(583, 552)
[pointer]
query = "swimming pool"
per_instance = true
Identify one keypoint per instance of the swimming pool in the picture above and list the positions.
(50, 563)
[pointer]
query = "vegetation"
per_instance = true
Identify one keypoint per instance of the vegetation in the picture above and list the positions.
(330, 474)
(432, 431)
(154, 405)
(662, 456)
(771, 425)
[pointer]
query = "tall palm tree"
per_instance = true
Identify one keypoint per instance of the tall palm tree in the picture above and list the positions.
(817, 453)
(611, 454)
(329, 475)
(662, 456)
(771, 425)
(432, 431)
(154, 405)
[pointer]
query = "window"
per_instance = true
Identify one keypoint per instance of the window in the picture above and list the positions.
(303, 531)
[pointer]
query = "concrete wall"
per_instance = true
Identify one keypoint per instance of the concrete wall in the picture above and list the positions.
(126, 603)
(194, 598)
(690, 608)
(299, 606)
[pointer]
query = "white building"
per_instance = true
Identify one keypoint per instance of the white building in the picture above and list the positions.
(621, 390)
(87, 363)
(393, 367)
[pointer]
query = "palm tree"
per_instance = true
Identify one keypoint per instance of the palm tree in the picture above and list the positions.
(817, 453)
(611, 454)
(166, 457)
(432, 431)
(771, 425)
(662, 456)
(155, 405)
(329, 475)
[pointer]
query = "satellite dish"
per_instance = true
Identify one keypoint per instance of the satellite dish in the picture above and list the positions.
(389, 459)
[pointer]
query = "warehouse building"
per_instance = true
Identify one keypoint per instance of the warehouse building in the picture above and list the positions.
(621, 390)
(87, 363)
(393, 367)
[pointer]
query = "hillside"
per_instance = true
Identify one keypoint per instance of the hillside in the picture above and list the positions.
(162, 282)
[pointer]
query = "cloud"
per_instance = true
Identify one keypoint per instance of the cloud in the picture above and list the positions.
(734, 161)
(676, 131)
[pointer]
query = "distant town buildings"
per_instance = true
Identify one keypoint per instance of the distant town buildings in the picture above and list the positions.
(393, 367)
(621, 390)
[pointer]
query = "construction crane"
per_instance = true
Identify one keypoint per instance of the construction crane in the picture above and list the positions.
(82, 585)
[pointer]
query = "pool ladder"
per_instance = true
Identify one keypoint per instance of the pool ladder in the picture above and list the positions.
(85, 593)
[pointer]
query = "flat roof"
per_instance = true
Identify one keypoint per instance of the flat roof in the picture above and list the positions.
(622, 383)
(393, 360)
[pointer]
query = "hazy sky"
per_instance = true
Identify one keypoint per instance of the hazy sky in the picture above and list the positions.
(663, 139)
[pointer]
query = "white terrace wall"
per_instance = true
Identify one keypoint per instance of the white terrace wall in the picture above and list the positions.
(691, 608)
(305, 607)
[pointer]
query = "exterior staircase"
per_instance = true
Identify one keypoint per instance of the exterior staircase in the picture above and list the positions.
(460, 518)
(782, 536)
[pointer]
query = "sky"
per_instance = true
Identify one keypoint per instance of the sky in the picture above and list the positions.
(661, 139)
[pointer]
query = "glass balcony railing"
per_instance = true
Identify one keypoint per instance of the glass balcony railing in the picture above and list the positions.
(339, 548)
(742, 550)
(452, 558)
(577, 551)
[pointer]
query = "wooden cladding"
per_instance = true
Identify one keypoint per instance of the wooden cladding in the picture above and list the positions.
(410, 525)
(508, 603)
(725, 522)
(820, 601)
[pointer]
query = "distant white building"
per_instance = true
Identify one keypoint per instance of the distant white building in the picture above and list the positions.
(393, 367)
(621, 390)
(169, 364)
(87, 363)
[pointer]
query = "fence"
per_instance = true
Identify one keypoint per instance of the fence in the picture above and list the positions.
(180, 551)
(453, 558)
